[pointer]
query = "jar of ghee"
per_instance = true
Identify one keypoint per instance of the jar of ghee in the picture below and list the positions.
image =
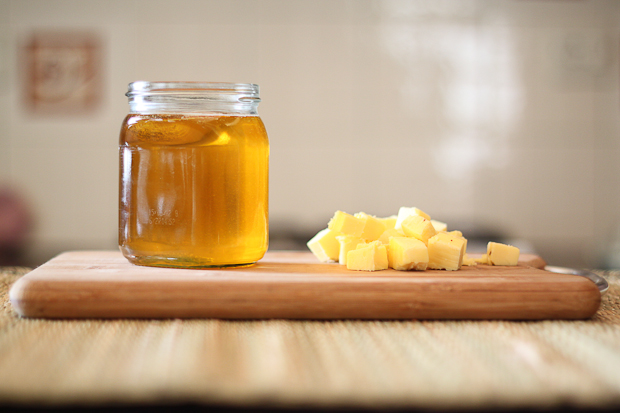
(194, 165)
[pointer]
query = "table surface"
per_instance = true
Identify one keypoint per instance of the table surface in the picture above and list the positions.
(374, 364)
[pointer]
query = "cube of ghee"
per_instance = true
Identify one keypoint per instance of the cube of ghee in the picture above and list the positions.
(373, 227)
(418, 227)
(389, 233)
(346, 224)
(347, 243)
(389, 222)
(502, 254)
(325, 246)
(406, 253)
(439, 226)
(368, 257)
(405, 212)
(445, 252)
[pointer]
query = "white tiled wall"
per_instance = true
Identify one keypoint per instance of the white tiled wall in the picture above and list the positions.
(504, 113)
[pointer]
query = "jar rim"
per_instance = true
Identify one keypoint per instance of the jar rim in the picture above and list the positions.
(181, 97)
(141, 87)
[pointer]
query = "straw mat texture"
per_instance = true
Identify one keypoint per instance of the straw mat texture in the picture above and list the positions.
(417, 364)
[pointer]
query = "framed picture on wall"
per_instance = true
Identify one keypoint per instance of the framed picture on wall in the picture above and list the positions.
(62, 73)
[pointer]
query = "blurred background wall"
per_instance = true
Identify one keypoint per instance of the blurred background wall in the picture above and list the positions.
(497, 117)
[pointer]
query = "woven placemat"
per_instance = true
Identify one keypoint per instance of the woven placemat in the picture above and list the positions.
(419, 364)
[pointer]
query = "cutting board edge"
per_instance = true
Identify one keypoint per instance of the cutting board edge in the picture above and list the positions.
(31, 297)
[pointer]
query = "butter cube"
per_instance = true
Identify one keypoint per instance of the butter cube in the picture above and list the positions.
(502, 254)
(439, 226)
(347, 243)
(389, 233)
(346, 224)
(469, 261)
(368, 257)
(389, 222)
(484, 259)
(373, 227)
(445, 252)
(418, 227)
(405, 212)
(325, 246)
(406, 253)
(459, 234)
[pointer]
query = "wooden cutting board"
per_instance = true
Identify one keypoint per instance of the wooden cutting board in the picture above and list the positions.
(294, 285)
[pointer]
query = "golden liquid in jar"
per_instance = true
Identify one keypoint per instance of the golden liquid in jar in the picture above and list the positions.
(193, 190)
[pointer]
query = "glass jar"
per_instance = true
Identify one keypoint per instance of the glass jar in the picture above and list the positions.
(194, 164)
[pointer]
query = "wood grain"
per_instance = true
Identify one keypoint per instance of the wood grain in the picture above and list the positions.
(294, 285)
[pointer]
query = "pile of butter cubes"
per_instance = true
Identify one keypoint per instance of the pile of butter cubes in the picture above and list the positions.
(410, 240)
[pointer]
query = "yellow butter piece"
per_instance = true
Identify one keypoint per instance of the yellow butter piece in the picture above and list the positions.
(389, 222)
(459, 234)
(484, 259)
(421, 213)
(325, 246)
(418, 227)
(373, 227)
(502, 254)
(346, 224)
(468, 261)
(389, 233)
(445, 252)
(368, 257)
(405, 253)
(405, 212)
(439, 226)
(347, 243)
